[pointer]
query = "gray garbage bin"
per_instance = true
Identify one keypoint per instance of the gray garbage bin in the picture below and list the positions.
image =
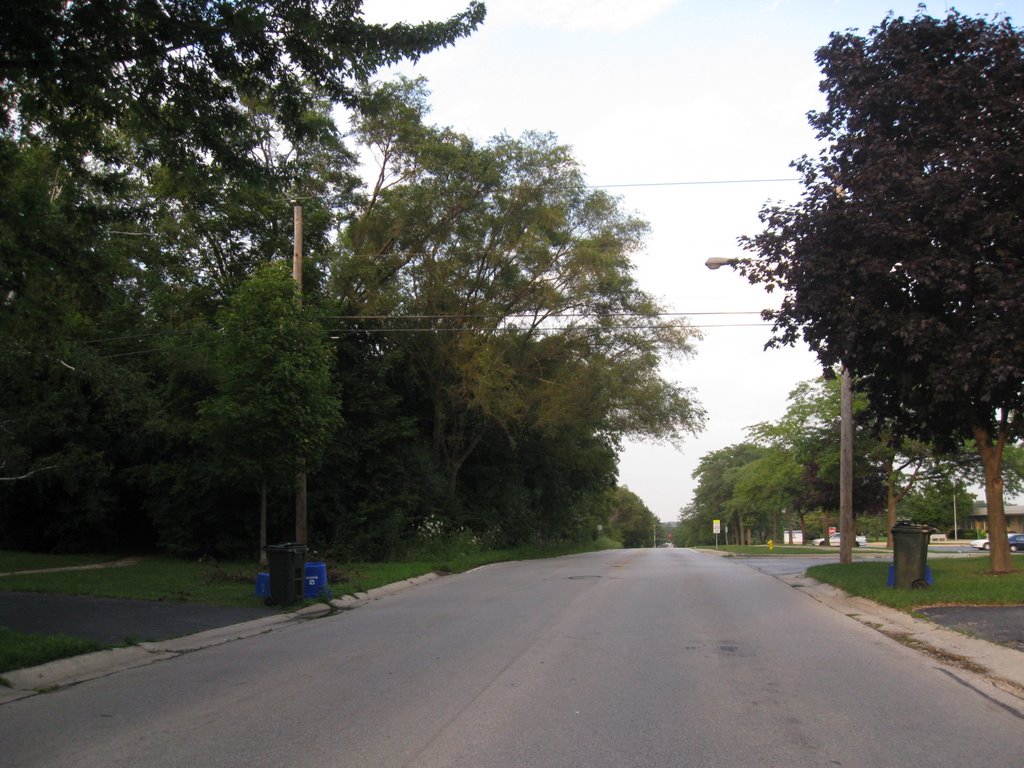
(286, 563)
(910, 555)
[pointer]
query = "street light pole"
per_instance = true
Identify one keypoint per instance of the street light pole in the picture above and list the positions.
(301, 515)
(847, 534)
(846, 531)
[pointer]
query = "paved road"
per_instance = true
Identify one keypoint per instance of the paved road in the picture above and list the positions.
(111, 621)
(997, 624)
(650, 658)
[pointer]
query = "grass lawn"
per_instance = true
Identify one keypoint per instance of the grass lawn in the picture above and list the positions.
(229, 583)
(155, 578)
(19, 650)
(29, 561)
(955, 581)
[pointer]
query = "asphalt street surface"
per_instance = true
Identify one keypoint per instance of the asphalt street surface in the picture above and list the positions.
(112, 622)
(997, 624)
(642, 658)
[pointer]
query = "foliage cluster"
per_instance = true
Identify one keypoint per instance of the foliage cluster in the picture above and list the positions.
(467, 344)
(902, 262)
(786, 477)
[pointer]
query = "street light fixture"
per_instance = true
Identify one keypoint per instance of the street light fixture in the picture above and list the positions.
(718, 261)
(845, 443)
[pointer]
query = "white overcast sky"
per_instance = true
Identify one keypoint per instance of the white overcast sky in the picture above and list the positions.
(690, 105)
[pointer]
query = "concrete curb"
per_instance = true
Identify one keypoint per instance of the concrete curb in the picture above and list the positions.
(77, 669)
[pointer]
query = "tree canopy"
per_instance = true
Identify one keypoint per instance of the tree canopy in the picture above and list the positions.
(521, 273)
(788, 471)
(182, 74)
(471, 347)
(148, 152)
(276, 407)
(903, 260)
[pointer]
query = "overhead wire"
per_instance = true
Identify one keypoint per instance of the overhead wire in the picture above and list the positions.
(435, 329)
(692, 183)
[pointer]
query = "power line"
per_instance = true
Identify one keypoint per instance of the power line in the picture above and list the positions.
(692, 183)
(545, 329)
(563, 315)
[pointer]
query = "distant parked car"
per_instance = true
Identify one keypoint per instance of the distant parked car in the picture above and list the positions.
(1016, 542)
(833, 541)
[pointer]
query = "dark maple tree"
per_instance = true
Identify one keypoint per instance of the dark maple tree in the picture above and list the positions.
(904, 259)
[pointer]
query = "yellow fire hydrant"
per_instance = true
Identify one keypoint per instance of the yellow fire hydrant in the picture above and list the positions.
(771, 545)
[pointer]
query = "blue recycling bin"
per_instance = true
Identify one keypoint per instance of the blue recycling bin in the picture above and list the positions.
(262, 585)
(892, 575)
(315, 581)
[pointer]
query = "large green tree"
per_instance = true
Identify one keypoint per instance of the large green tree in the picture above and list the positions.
(903, 261)
(809, 434)
(178, 74)
(630, 519)
(148, 153)
(508, 281)
(277, 408)
(716, 475)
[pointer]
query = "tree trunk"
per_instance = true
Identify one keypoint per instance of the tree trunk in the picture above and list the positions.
(992, 461)
(301, 514)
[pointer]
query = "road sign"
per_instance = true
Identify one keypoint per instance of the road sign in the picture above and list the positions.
(718, 526)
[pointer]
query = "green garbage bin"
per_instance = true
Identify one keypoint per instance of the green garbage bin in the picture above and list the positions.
(286, 563)
(910, 555)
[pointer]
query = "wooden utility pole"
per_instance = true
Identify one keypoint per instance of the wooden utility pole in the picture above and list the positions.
(847, 533)
(300, 474)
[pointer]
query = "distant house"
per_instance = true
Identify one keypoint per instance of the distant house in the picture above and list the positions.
(1014, 518)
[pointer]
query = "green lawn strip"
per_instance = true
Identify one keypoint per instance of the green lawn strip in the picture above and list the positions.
(19, 650)
(955, 581)
(233, 583)
(155, 578)
(31, 561)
